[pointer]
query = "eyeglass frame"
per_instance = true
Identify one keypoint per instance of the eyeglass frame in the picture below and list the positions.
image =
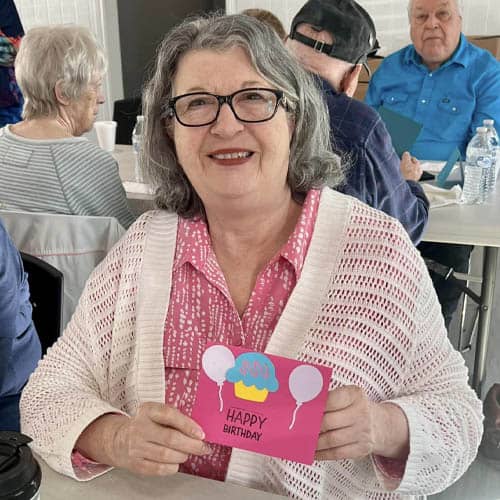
(227, 99)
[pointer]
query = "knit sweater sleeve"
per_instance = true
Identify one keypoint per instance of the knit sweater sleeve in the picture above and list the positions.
(84, 375)
(444, 415)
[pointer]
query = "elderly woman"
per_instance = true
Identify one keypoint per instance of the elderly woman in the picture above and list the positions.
(46, 165)
(258, 253)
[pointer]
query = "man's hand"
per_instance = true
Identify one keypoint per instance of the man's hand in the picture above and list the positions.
(153, 442)
(410, 167)
(354, 427)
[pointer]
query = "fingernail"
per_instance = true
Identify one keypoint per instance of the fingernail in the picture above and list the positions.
(206, 449)
(198, 433)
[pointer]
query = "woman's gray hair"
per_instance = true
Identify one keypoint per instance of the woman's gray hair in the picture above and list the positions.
(459, 4)
(67, 53)
(312, 163)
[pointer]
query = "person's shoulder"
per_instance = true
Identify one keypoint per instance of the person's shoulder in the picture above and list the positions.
(154, 221)
(4, 235)
(352, 119)
(393, 61)
(361, 109)
(81, 152)
(482, 59)
(82, 144)
(8, 250)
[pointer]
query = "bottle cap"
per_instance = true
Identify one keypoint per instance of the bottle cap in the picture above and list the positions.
(20, 474)
(488, 122)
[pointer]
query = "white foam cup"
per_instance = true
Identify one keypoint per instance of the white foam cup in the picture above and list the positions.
(106, 134)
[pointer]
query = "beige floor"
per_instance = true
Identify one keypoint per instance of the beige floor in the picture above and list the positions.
(482, 480)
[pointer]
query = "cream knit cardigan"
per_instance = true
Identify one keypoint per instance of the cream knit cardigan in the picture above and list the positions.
(364, 305)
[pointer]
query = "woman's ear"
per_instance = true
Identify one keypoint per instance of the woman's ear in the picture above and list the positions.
(60, 95)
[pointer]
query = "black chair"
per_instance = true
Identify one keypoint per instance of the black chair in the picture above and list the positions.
(125, 112)
(46, 297)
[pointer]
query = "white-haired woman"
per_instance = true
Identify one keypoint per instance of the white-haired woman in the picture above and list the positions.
(252, 249)
(46, 166)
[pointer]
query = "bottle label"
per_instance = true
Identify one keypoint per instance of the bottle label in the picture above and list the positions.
(483, 161)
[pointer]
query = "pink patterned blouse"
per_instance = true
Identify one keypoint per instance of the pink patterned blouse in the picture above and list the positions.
(201, 310)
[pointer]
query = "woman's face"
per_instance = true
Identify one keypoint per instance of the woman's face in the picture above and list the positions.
(83, 111)
(229, 159)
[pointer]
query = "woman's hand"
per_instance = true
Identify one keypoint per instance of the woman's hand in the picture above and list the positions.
(153, 442)
(354, 427)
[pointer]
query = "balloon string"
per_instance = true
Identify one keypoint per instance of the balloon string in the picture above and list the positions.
(293, 417)
(221, 406)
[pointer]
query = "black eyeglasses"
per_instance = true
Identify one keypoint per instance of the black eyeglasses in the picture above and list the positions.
(253, 105)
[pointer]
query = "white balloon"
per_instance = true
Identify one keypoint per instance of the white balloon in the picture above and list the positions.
(216, 361)
(305, 383)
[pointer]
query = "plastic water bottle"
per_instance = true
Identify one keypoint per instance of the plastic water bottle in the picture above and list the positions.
(137, 145)
(477, 167)
(495, 153)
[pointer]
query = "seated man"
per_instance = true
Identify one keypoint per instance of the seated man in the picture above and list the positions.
(358, 134)
(448, 85)
(19, 344)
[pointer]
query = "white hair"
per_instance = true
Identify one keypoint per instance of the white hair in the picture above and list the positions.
(68, 53)
(459, 4)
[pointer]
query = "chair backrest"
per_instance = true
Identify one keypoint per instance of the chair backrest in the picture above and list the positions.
(46, 297)
(125, 112)
(73, 244)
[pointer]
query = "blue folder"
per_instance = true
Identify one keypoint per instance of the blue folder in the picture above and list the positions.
(403, 130)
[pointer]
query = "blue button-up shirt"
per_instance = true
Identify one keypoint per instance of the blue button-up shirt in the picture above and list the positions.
(450, 102)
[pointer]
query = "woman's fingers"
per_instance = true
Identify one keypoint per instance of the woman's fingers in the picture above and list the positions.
(169, 416)
(157, 439)
(176, 440)
(347, 425)
(352, 435)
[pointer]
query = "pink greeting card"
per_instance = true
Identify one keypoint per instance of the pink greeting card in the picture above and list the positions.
(260, 402)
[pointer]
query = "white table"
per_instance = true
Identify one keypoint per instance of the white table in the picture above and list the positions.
(477, 225)
(123, 485)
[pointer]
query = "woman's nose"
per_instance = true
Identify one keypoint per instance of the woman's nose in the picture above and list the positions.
(226, 123)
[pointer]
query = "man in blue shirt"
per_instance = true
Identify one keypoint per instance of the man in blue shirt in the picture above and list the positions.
(450, 86)
(19, 344)
(441, 81)
(376, 175)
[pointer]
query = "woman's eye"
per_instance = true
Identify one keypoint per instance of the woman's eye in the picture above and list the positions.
(253, 96)
(197, 103)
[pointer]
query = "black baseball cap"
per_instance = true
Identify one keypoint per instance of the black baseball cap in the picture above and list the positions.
(352, 29)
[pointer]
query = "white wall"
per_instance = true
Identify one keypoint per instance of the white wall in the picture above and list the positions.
(481, 17)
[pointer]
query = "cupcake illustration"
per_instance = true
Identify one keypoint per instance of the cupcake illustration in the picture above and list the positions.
(253, 376)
